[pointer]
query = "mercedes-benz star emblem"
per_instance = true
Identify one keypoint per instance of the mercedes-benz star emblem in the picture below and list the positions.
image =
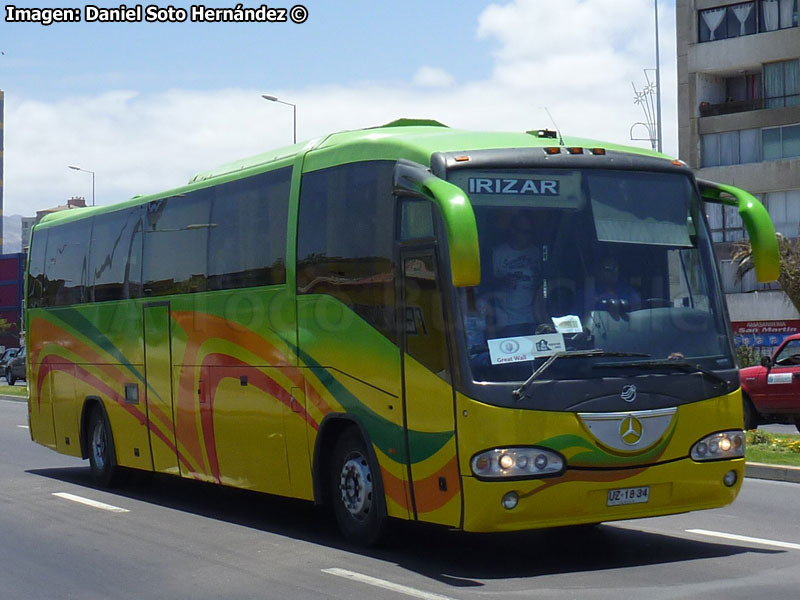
(630, 430)
(628, 393)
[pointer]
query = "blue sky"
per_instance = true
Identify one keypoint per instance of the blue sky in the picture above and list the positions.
(351, 41)
(147, 105)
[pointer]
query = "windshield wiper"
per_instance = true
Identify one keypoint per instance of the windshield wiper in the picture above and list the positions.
(681, 365)
(520, 391)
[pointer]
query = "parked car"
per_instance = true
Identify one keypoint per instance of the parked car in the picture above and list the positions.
(772, 390)
(15, 369)
(8, 354)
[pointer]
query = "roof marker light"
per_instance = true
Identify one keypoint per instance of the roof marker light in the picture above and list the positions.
(575, 150)
(462, 158)
(552, 150)
(599, 151)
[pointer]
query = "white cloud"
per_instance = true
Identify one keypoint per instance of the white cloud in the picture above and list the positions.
(432, 77)
(576, 57)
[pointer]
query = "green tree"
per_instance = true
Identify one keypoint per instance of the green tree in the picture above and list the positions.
(789, 278)
(747, 356)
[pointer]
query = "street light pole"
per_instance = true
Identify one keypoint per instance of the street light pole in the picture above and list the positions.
(658, 85)
(74, 168)
(294, 113)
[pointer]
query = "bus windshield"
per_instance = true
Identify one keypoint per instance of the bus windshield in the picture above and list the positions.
(614, 267)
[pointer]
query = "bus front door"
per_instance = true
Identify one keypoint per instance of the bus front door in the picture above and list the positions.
(158, 391)
(428, 399)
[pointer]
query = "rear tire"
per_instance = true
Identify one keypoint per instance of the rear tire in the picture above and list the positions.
(102, 456)
(750, 414)
(355, 491)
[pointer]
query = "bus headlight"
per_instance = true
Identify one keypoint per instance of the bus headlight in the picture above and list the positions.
(518, 462)
(718, 446)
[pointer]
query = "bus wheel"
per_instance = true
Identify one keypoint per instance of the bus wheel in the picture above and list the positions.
(355, 493)
(102, 458)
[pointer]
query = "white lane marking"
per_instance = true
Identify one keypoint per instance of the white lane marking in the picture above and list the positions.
(23, 426)
(387, 585)
(744, 538)
(92, 503)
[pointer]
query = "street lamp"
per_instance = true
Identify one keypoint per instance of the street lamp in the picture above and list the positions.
(658, 85)
(294, 112)
(74, 168)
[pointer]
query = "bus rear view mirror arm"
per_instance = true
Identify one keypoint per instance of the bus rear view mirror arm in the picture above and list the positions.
(459, 219)
(756, 219)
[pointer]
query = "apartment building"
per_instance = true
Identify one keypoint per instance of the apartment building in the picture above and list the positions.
(739, 123)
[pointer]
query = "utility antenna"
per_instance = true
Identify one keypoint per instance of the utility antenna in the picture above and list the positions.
(558, 131)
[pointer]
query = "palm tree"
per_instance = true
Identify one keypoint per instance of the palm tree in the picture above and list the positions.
(789, 277)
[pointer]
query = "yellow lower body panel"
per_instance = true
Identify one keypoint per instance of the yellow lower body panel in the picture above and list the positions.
(582, 496)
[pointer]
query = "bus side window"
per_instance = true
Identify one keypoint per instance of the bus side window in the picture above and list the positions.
(345, 239)
(36, 278)
(177, 227)
(116, 255)
(66, 263)
(247, 243)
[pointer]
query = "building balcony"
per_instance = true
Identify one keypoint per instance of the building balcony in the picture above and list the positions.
(739, 106)
(730, 107)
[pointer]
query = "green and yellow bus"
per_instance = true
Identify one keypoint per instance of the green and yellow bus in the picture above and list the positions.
(488, 331)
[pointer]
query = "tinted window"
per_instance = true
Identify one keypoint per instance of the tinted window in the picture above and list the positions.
(248, 237)
(36, 280)
(176, 233)
(416, 219)
(424, 323)
(345, 239)
(66, 263)
(116, 255)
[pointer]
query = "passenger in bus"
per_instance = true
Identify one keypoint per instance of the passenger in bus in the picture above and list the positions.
(517, 269)
(610, 292)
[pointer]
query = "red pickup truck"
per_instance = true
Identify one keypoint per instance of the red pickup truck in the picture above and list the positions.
(772, 391)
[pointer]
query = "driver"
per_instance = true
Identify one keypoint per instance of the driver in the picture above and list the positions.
(610, 291)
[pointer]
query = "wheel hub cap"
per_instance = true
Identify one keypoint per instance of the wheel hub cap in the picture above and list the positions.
(356, 486)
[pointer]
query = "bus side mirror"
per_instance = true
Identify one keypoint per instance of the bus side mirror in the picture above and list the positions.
(766, 361)
(412, 179)
(755, 217)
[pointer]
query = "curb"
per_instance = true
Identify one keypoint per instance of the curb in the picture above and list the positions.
(14, 398)
(772, 472)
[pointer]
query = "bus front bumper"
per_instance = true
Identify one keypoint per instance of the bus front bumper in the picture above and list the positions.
(594, 496)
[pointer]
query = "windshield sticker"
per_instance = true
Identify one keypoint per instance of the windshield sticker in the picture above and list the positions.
(779, 378)
(513, 186)
(568, 324)
(524, 348)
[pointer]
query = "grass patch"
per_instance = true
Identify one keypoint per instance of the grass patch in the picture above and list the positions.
(20, 391)
(773, 448)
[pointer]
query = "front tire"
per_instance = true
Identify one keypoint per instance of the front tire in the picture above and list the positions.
(10, 379)
(355, 491)
(102, 456)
